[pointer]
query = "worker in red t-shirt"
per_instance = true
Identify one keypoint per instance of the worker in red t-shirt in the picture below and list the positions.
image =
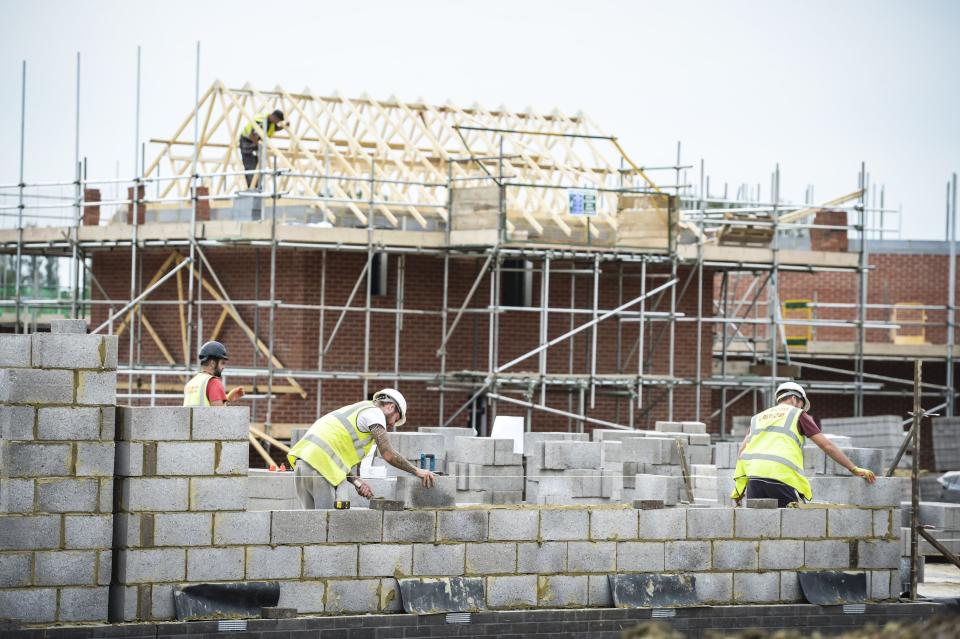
(206, 387)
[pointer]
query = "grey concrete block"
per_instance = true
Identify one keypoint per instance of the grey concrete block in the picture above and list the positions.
(613, 524)
(26, 533)
(17, 422)
(338, 560)
(756, 587)
(561, 525)
(503, 454)
(16, 569)
(803, 523)
(827, 554)
(95, 459)
(355, 526)
(221, 423)
(547, 557)
(281, 562)
(600, 594)
(153, 495)
(104, 567)
(128, 459)
(303, 596)
(564, 454)
(215, 564)
(33, 386)
(218, 493)
(410, 491)
(668, 523)
(105, 499)
(491, 558)
(390, 598)
(108, 422)
(56, 350)
(151, 565)
(409, 525)
(183, 529)
(17, 496)
(709, 523)
(411, 445)
(67, 495)
(640, 556)
(687, 555)
(512, 592)
(242, 528)
(735, 555)
(15, 351)
(878, 554)
(779, 554)
(431, 560)
(883, 522)
(790, 591)
(71, 326)
(29, 605)
(483, 477)
(450, 433)
(562, 591)
(96, 388)
(473, 450)
(185, 458)
(298, 527)
(353, 595)
(662, 487)
(505, 497)
(385, 560)
(88, 531)
(233, 458)
(849, 522)
(29, 459)
(753, 523)
(714, 587)
(153, 423)
(882, 584)
(592, 556)
(462, 525)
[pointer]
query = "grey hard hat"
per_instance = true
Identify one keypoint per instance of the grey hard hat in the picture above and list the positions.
(212, 350)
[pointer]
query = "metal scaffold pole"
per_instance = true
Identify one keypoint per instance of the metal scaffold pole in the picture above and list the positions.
(19, 259)
(951, 291)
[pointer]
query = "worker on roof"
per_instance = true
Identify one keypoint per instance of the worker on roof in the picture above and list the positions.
(331, 451)
(250, 137)
(206, 387)
(770, 459)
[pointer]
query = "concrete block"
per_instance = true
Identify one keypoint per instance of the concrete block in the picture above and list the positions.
(233, 458)
(880, 584)
(753, 587)
(215, 564)
(353, 595)
(878, 554)
(185, 458)
(640, 556)
(561, 591)
(71, 326)
(561, 454)
(183, 529)
(33, 386)
(826, 554)
(338, 560)
(298, 527)
(491, 558)
(17, 422)
(15, 351)
(31, 532)
(668, 523)
(483, 477)
(304, 596)
(104, 567)
(450, 433)
(849, 522)
(599, 594)
(385, 560)
(504, 497)
(431, 560)
(709, 523)
(409, 525)
(687, 555)
(29, 605)
(613, 524)
(752, 523)
(512, 591)
(65, 568)
(473, 450)
(218, 493)
(803, 523)
(105, 499)
(17, 495)
(16, 569)
(883, 522)
(412, 445)
(657, 487)
(153, 423)
(221, 423)
(735, 555)
(96, 388)
(592, 556)
(790, 590)
(67, 495)
(154, 495)
(57, 350)
(354, 526)
(151, 565)
(546, 557)
(870, 458)
(242, 528)
(88, 531)
(29, 459)
(561, 525)
(714, 587)
(410, 491)
(280, 562)
(128, 459)
(503, 454)
(95, 459)
(668, 427)
(780, 554)
(108, 422)
(462, 525)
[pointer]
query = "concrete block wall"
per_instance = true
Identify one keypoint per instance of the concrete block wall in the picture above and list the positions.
(57, 396)
(878, 431)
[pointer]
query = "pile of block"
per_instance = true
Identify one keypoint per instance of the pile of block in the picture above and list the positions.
(946, 443)
(177, 470)
(57, 396)
(271, 490)
(945, 520)
(486, 469)
(816, 462)
(879, 431)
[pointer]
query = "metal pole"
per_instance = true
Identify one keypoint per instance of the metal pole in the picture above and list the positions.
(951, 289)
(323, 313)
(398, 319)
(135, 215)
(369, 291)
(193, 205)
(19, 261)
(443, 331)
(915, 479)
(773, 286)
(268, 420)
(544, 325)
(862, 308)
(593, 332)
(643, 328)
(74, 267)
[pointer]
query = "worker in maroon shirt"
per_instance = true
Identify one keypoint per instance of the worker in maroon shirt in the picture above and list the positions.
(206, 387)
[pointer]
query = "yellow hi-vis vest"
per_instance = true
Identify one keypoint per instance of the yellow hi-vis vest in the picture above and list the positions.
(269, 127)
(195, 392)
(334, 445)
(775, 451)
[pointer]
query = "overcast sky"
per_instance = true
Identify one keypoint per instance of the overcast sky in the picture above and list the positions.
(816, 86)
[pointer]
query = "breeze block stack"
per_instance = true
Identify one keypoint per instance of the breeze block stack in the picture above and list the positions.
(487, 470)
(57, 398)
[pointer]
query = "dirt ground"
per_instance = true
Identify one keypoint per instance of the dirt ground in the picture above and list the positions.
(939, 628)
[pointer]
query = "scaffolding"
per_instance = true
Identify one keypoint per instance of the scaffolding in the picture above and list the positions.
(394, 178)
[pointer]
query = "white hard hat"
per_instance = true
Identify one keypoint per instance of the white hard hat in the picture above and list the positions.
(793, 388)
(393, 395)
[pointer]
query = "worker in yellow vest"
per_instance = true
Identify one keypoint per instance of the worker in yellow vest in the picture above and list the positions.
(206, 387)
(250, 140)
(330, 452)
(770, 460)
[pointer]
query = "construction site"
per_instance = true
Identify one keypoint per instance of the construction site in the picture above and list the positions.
(583, 339)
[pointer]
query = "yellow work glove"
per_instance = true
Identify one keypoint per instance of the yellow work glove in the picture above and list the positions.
(865, 473)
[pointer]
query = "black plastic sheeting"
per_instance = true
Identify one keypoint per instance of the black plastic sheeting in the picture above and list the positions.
(444, 594)
(218, 601)
(831, 588)
(653, 590)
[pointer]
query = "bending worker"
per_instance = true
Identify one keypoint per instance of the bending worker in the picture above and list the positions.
(206, 387)
(331, 451)
(770, 459)
(250, 140)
